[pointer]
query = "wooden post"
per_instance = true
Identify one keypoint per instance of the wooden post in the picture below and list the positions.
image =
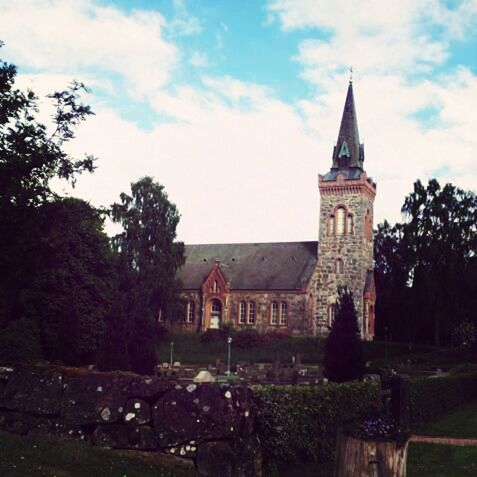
(367, 458)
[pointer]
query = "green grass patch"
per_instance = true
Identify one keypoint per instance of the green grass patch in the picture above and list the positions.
(34, 457)
(435, 460)
(189, 349)
(461, 423)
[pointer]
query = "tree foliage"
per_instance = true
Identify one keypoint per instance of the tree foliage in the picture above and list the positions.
(149, 257)
(344, 354)
(426, 268)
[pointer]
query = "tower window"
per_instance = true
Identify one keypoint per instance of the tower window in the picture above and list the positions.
(350, 225)
(190, 312)
(339, 266)
(274, 313)
(283, 313)
(331, 315)
(242, 313)
(340, 221)
(216, 286)
(251, 312)
(368, 226)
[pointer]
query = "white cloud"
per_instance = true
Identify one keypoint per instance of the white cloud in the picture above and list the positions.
(373, 35)
(199, 59)
(183, 23)
(70, 37)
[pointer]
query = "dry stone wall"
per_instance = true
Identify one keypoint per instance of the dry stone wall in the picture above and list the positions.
(213, 425)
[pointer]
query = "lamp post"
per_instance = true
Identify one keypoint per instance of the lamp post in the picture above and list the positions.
(229, 345)
(172, 352)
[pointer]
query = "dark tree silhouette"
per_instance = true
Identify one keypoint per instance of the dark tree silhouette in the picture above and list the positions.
(149, 257)
(344, 356)
(426, 267)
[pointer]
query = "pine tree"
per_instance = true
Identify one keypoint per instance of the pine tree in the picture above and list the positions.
(344, 356)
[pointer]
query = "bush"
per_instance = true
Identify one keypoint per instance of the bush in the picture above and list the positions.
(212, 335)
(437, 395)
(300, 423)
(20, 342)
(246, 339)
(344, 355)
(276, 336)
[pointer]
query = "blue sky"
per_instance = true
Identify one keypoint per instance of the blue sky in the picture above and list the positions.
(235, 106)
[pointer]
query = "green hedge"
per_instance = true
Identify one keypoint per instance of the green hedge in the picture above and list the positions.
(437, 395)
(298, 423)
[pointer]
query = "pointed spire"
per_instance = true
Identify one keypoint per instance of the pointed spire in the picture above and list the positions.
(348, 152)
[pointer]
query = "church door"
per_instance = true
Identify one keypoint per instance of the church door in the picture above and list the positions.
(215, 314)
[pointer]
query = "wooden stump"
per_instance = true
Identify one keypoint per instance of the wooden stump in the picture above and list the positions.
(357, 457)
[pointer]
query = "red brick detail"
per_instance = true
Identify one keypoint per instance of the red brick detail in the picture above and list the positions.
(215, 286)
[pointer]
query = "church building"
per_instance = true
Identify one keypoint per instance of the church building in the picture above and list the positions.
(293, 286)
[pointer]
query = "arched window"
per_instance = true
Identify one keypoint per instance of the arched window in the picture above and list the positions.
(190, 312)
(350, 225)
(339, 266)
(274, 313)
(251, 312)
(340, 221)
(216, 286)
(283, 313)
(242, 313)
(331, 315)
(331, 225)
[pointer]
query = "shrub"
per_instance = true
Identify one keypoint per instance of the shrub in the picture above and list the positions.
(276, 335)
(246, 339)
(344, 355)
(212, 335)
(300, 423)
(436, 395)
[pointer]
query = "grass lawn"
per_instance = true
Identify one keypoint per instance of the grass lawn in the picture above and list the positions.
(31, 457)
(461, 422)
(433, 460)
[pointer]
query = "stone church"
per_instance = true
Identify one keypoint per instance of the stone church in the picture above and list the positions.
(292, 286)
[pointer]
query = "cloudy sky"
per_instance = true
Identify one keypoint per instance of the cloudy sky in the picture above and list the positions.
(234, 106)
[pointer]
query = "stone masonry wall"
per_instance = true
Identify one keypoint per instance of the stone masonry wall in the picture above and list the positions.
(355, 249)
(299, 310)
(209, 424)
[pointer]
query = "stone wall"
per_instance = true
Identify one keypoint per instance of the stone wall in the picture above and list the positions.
(211, 425)
(299, 310)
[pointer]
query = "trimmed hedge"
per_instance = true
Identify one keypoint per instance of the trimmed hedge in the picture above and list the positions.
(298, 423)
(437, 395)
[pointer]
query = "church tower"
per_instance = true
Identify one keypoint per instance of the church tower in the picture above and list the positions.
(345, 247)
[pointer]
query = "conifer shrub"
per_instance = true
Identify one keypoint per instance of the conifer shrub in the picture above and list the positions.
(344, 354)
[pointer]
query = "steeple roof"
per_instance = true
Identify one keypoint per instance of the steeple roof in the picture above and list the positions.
(348, 152)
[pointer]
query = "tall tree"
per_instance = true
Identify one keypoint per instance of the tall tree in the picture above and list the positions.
(439, 236)
(149, 257)
(72, 291)
(425, 266)
(344, 355)
(31, 154)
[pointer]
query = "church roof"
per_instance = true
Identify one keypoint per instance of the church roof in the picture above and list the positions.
(252, 266)
(348, 152)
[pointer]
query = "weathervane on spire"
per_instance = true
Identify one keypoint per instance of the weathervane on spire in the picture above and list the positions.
(351, 74)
